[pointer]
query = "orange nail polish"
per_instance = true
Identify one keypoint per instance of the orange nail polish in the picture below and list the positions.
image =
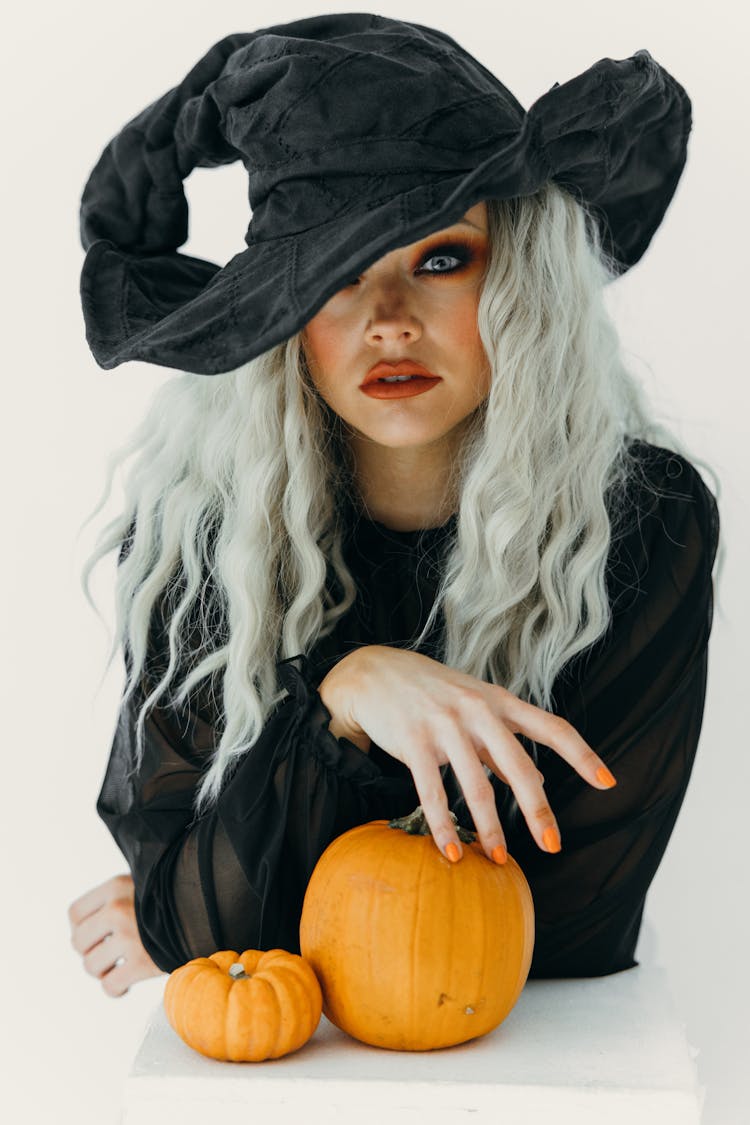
(606, 778)
(499, 854)
(451, 850)
(551, 839)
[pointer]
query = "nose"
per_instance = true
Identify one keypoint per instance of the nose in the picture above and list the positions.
(393, 324)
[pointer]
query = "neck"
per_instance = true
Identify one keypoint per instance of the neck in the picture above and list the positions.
(405, 489)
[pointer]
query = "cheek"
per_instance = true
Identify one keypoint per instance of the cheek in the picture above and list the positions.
(465, 330)
(322, 346)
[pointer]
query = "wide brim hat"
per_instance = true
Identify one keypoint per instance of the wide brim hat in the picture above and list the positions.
(360, 134)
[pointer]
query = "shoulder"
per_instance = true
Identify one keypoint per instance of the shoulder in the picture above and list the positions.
(668, 532)
(669, 485)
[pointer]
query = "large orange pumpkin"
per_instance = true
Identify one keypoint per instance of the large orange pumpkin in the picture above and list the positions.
(414, 952)
(245, 1007)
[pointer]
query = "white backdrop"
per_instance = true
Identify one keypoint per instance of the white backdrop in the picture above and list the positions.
(73, 74)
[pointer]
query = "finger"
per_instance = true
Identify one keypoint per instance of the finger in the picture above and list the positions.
(483, 753)
(432, 797)
(562, 737)
(85, 905)
(94, 899)
(116, 916)
(117, 981)
(479, 794)
(104, 956)
(92, 930)
(524, 778)
(123, 976)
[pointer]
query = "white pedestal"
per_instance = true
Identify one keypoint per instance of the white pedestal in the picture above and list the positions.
(586, 1052)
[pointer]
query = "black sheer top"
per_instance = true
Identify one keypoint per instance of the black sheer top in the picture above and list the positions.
(236, 877)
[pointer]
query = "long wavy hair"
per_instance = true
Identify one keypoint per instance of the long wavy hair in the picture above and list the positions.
(237, 487)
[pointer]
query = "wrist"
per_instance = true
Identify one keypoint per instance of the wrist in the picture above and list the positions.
(336, 690)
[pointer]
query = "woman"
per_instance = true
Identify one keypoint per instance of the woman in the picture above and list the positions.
(509, 569)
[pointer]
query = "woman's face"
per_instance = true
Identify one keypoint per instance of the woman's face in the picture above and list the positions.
(418, 302)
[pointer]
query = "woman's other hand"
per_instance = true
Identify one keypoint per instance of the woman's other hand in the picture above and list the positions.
(104, 931)
(426, 714)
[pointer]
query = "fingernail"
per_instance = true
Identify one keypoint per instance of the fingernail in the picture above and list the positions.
(499, 854)
(551, 839)
(451, 850)
(605, 777)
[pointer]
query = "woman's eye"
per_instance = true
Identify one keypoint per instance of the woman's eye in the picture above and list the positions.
(443, 254)
(456, 252)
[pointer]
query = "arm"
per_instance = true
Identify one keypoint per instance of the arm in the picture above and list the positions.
(335, 691)
(637, 698)
(236, 877)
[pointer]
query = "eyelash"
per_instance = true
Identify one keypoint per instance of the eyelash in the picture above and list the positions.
(460, 250)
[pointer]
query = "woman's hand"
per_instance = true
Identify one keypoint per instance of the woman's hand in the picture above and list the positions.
(104, 931)
(426, 714)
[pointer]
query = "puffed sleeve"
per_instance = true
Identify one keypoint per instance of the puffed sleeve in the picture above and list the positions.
(637, 698)
(235, 877)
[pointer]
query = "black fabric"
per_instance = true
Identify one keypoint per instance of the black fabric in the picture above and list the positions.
(360, 134)
(236, 877)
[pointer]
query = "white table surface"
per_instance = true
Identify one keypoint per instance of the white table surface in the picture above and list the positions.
(605, 1050)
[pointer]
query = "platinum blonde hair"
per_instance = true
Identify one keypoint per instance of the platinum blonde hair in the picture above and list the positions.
(239, 477)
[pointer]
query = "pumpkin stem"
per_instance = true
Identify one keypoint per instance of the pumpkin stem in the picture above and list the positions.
(237, 970)
(416, 824)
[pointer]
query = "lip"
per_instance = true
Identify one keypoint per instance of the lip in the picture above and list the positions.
(415, 386)
(402, 367)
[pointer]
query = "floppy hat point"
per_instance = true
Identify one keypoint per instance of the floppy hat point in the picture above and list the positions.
(360, 133)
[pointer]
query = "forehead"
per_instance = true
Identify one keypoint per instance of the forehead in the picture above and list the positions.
(475, 219)
(476, 216)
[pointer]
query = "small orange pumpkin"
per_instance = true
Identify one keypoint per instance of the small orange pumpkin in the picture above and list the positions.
(247, 1007)
(414, 952)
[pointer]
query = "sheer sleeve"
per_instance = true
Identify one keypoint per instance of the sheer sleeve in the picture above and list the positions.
(637, 697)
(235, 877)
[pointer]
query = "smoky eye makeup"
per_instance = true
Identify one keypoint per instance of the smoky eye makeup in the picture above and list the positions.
(466, 251)
(459, 248)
